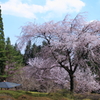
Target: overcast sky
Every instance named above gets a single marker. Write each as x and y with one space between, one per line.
16 13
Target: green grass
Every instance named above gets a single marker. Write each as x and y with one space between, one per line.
27 95
16 94
12 93
60 95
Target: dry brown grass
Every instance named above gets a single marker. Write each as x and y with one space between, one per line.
26 97
6 98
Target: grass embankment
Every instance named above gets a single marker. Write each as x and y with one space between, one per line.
61 95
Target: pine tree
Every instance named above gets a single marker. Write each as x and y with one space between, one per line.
2 47
34 50
9 56
14 58
44 43
27 53
31 51
18 57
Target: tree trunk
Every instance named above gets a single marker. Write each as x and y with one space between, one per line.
71 82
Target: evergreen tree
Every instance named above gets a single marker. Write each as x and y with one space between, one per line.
34 50
27 53
14 58
44 43
2 47
31 51
18 56
9 57
9 51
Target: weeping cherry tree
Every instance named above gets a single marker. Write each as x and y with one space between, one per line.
74 43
